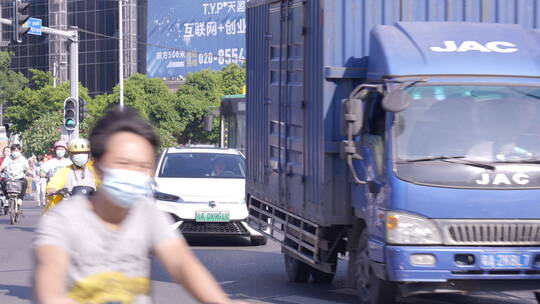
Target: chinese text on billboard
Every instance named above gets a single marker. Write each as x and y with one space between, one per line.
190 35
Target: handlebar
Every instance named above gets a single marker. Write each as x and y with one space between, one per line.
62 192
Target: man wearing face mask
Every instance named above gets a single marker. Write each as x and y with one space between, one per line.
15 167
58 162
83 245
80 173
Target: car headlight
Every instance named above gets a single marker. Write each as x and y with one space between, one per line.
165 197
408 229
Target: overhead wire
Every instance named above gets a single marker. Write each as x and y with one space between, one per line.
158 45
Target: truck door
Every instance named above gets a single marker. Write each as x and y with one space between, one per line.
286 102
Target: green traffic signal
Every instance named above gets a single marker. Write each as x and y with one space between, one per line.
70 114
70 123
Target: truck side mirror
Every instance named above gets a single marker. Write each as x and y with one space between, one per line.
396 101
352 116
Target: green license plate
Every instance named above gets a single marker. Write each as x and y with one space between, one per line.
212 216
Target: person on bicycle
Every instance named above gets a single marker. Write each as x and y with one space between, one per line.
15 167
99 249
80 173
58 162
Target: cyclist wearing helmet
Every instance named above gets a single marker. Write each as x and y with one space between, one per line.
58 162
80 173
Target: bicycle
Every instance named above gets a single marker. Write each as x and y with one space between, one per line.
14 189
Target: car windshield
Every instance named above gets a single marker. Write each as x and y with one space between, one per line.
202 165
481 123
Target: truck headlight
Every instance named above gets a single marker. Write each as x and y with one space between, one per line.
408 229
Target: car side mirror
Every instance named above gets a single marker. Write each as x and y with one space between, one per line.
396 101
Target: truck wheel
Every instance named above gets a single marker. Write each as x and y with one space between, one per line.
258 241
297 270
371 289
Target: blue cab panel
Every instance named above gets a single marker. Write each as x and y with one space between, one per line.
453 48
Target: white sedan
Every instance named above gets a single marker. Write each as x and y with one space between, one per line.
203 190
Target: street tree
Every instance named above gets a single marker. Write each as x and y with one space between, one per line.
11 82
40 136
29 105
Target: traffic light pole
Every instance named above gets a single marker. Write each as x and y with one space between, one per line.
73 39
74 77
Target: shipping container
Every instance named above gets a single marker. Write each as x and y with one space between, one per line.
304 57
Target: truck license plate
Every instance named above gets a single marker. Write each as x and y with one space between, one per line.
505 260
212 216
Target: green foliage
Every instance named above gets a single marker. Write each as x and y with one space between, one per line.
41 135
40 79
233 79
166 140
29 105
36 111
10 82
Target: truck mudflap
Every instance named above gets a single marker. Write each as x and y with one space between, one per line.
300 238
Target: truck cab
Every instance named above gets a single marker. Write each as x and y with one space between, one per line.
444 152
400 139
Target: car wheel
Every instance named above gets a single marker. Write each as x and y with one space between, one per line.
258 241
370 288
297 271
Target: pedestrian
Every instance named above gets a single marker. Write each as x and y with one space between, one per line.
6 151
41 181
97 249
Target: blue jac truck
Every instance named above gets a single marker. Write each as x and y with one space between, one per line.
402 137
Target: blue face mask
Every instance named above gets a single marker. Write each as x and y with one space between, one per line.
124 187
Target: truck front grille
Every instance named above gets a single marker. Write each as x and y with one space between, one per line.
491 232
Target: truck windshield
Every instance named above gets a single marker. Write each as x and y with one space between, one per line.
477 123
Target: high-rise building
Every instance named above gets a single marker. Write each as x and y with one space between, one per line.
97 21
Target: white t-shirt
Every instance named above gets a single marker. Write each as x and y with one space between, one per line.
16 168
106 265
52 166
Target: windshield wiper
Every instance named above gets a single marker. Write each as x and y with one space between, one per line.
521 161
452 159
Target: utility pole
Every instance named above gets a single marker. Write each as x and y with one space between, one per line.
121 52
55 72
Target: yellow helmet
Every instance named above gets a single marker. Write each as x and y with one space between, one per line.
79 145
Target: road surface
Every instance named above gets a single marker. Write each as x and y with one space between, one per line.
254 274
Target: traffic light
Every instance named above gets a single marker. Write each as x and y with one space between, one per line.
19 19
71 115
82 109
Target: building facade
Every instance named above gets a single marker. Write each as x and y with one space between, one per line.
97 21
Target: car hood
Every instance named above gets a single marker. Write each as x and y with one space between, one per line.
204 189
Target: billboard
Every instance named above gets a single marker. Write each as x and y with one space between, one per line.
190 35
